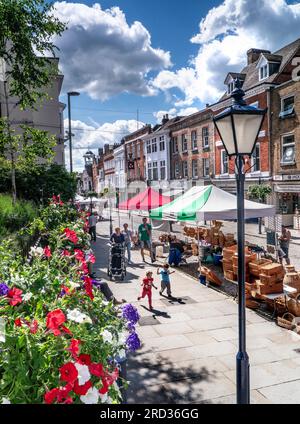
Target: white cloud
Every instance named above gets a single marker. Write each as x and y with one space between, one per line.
102 55
88 137
225 35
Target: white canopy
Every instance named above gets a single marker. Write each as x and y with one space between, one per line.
205 203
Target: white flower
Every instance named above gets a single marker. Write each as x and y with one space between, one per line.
77 316
122 354
36 251
5 401
27 296
103 398
117 388
122 337
91 397
83 373
74 285
107 336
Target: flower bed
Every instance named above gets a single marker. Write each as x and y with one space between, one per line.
63 341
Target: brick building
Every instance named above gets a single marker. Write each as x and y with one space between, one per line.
134 154
265 79
285 136
191 153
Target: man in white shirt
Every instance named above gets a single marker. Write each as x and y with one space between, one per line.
92 226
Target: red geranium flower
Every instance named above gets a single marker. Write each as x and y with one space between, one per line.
47 252
66 252
51 396
96 369
18 322
82 390
68 372
88 287
15 296
108 380
79 255
71 235
54 322
84 359
74 347
84 268
63 392
91 258
34 326
68 400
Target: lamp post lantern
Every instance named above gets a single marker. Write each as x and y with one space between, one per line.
238 127
70 94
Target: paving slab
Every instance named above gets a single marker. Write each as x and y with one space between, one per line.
285 393
188 355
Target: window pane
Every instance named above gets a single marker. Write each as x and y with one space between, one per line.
288 104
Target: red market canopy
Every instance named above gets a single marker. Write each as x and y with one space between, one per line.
145 201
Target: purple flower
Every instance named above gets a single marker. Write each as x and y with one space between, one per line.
133 342
130 326
62 293
4 289
130 313
96 283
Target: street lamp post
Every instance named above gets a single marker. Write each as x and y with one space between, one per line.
238 127
70 93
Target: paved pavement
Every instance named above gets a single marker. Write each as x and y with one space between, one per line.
189 346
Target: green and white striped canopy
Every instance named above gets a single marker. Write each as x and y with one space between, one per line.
204 203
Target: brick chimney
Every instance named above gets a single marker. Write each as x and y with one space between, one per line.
165 119
253 55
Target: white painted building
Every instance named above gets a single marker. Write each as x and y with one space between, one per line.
157 153
120 170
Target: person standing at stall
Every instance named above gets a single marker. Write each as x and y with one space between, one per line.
284 243
128 240
144 234
92 226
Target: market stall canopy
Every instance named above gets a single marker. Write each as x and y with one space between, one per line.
205 203
89 200
147 200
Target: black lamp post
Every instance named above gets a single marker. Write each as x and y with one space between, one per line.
70 93
89 160
238 127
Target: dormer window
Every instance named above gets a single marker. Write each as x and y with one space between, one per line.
263 72
230 87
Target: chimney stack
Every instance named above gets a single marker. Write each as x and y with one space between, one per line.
165 119
253 55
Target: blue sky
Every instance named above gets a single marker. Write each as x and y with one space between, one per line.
171 30
156 56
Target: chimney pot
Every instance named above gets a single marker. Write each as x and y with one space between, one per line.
253 55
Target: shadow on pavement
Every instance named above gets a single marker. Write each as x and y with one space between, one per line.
158 381
157 312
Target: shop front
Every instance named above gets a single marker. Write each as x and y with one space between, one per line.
287 201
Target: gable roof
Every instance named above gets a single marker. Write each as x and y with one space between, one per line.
283 55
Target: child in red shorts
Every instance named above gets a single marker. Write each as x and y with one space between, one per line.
147 285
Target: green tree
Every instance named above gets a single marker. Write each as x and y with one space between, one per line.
24 151
259 192
28 28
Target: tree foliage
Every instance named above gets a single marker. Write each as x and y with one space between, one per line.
259 192
41 183
27 31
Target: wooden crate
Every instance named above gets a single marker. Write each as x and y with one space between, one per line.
289 268
271 279
229 275
227 264
269 288
255 266
249 257
228 252
271 269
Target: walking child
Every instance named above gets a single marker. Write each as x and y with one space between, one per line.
165 279
147 285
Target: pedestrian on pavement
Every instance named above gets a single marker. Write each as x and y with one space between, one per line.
284 243
147 285
144 234
117 237
128 235
165 279
92 226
